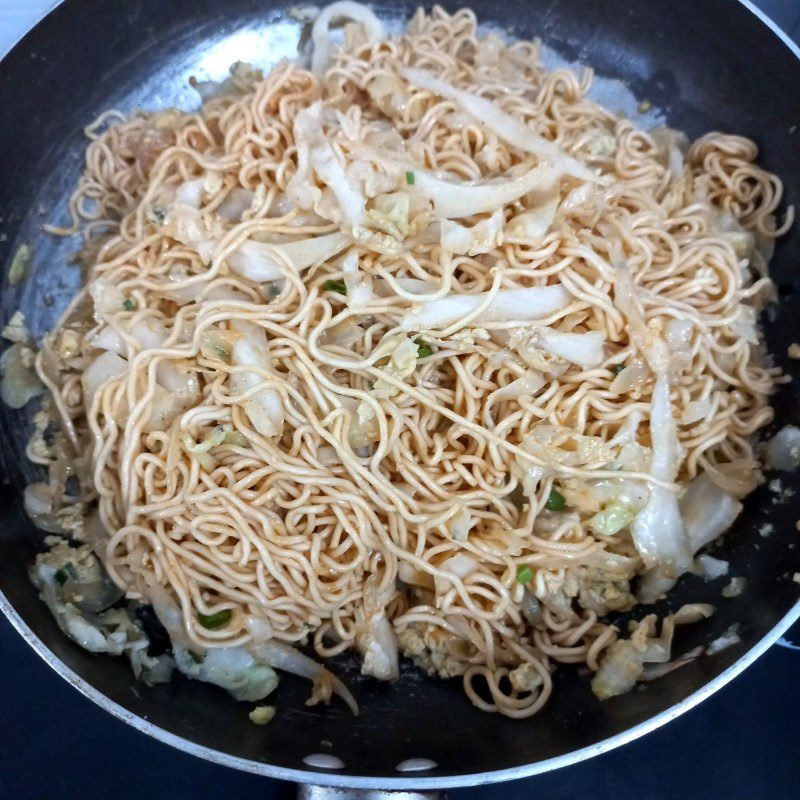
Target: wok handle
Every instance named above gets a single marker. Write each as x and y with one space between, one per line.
310 791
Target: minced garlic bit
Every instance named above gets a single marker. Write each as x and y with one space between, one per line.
796 577
794 350
766 529
262 715
734 588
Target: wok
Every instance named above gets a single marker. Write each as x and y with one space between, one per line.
703 66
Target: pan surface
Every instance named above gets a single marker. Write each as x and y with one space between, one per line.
703 66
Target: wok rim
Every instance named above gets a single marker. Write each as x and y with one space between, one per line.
345 780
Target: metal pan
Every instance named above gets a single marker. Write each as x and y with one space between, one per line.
703 66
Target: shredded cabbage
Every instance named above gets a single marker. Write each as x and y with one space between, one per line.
402 363
711 568
527 385
231 668
482 237
456 200
265 407
533 225
78 592
315 152
584 349
506 305
358 284
460 525
20 382
658 531
459 566
708 511
341 10
624 661
653 347
375 637
782 451
103 369
261 262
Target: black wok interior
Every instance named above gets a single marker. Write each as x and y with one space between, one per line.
708 65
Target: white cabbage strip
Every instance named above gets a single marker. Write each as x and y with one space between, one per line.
583 349
264 408
105 367
459 566
507 128
238 201
343 10
455 200
150 334
261 262
231 668
192 293
534 223
782 451
527 385
20 382
707 511
109 338
375 636
711 568
658 531
623 664
506 305
653 348
358 283
482 237
284 657
190 193
314 151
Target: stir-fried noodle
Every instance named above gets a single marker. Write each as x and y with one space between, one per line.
415 353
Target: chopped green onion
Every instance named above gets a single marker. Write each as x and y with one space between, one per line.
556 501
524 574
66 573
196 657
410 178
334 286
214 622
617 368
423 348
156 214
127 304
